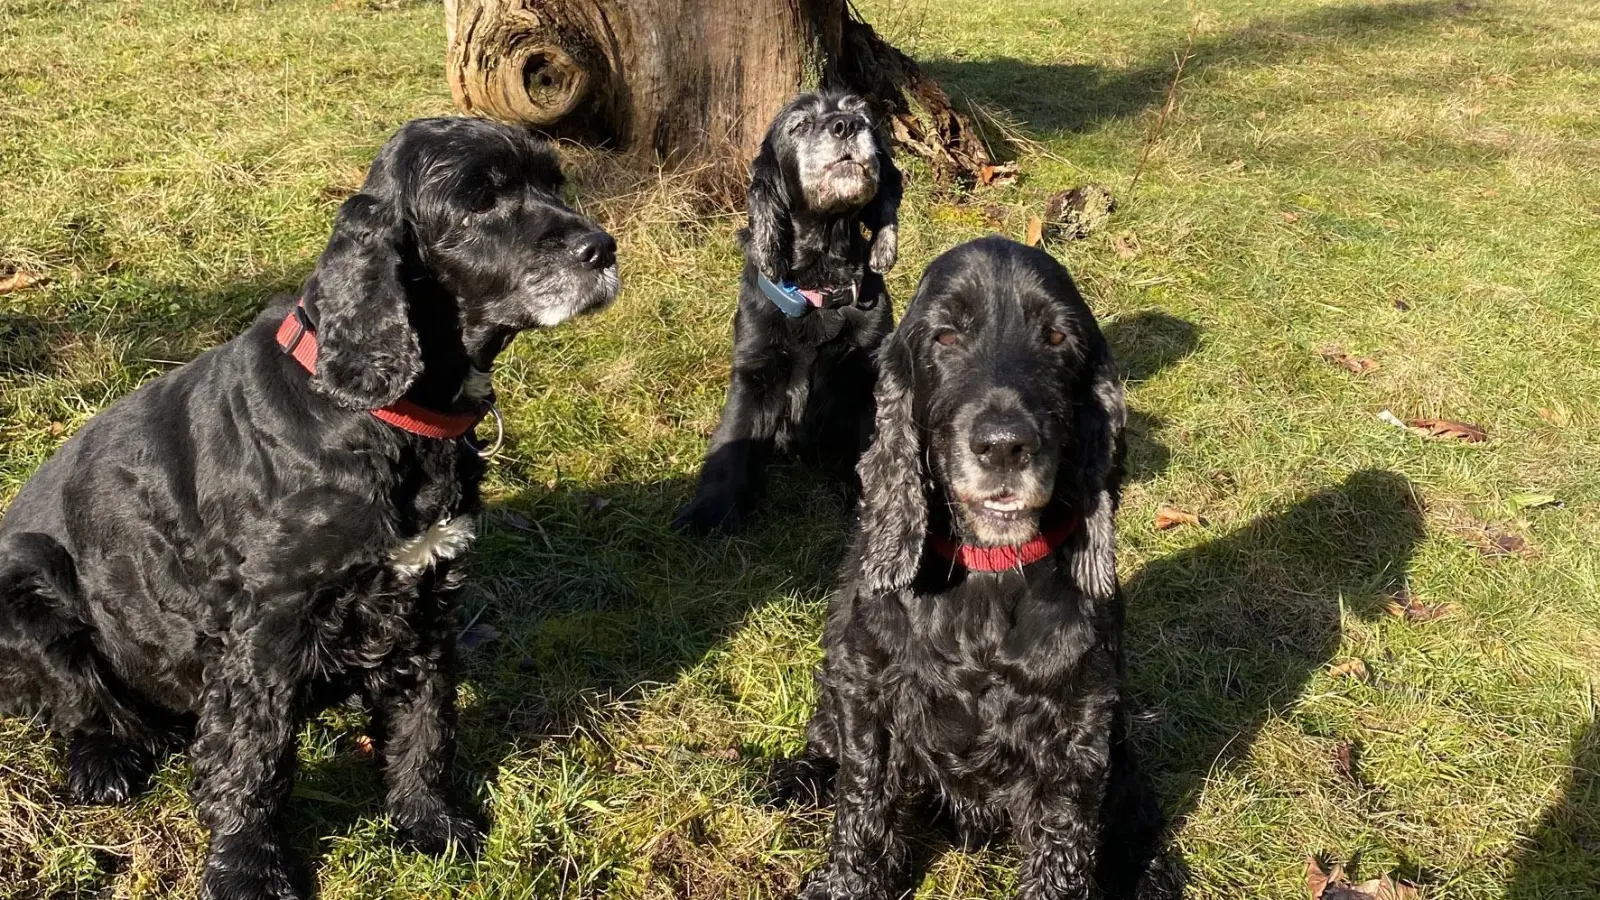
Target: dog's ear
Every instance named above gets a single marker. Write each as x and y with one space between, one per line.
768 237
894 506
1099 418
367 354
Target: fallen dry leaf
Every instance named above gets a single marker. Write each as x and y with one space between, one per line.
1555 417
364 747
1290 217
1078 213
1350 668
1356 365
1035 231
1332 884
1447 430
998 175
1408 607
1495 543
1344 761
20 280
1169 517
1126 244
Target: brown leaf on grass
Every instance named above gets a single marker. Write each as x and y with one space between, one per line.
1555 417
1494 542
1080 212
57 429
1332 884
1169 517
1126 244
1356 365
1350 668
1344 761
1447 430
364 748
1035 231
20 280
1403 605
998 175
1290 217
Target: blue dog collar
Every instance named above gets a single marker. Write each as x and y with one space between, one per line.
786 297
794 301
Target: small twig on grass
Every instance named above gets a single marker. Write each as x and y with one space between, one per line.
1166 110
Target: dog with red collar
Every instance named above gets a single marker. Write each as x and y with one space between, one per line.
812 305
280 523
973 649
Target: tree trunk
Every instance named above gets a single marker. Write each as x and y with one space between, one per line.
690 83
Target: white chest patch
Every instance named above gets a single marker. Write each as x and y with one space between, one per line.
445 539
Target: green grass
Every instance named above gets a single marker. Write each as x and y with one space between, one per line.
168 164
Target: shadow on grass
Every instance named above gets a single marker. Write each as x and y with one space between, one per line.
1225 635
1067 97
1562 859
1144 344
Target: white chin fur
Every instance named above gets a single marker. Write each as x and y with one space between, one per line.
604 291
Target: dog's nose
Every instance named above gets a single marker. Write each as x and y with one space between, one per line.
597 250
843 127
1004 439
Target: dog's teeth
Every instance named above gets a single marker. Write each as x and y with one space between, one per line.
1002 505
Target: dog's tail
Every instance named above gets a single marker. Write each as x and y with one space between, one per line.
49 667
1134 862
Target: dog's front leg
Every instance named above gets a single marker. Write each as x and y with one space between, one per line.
731 478
867 857
1060 838
414 717
244 762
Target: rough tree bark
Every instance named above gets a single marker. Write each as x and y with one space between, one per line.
688 81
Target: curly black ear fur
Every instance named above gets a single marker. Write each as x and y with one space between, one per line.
1096 465
367 354
894 506
769 236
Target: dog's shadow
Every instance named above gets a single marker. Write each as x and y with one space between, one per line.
1224 636
1559 860
1145 343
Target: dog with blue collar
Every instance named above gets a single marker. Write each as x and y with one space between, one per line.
823 225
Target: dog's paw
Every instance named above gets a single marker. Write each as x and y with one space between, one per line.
443 833
805 780
707 516
102 771
885 249
244 869
826 884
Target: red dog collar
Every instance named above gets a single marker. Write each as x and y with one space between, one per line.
1001 559
299 340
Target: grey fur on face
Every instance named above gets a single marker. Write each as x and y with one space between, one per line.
830 142
999 506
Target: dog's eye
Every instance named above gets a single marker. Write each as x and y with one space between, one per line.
1055 336
948 337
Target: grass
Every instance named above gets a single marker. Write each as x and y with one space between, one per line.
168 163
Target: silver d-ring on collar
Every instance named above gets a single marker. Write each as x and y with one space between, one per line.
499 435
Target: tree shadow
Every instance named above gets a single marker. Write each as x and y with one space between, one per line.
1071 97
1559 862
1225 635
1144 344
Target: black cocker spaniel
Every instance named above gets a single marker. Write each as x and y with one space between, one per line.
812 304
973 650
279 524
